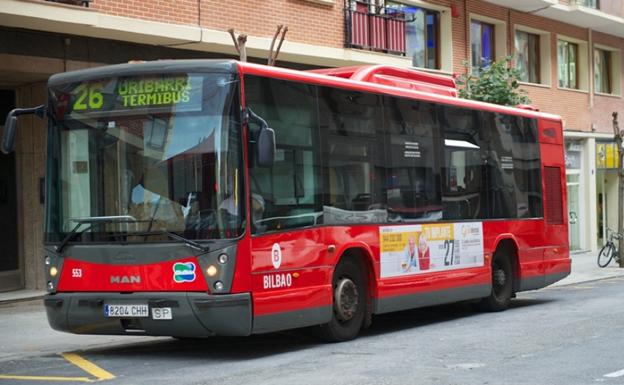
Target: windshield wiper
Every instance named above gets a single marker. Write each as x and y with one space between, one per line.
190 243
94 222
97 221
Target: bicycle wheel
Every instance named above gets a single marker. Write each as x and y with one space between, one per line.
606 254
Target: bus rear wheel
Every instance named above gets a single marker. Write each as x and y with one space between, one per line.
349 302
502 284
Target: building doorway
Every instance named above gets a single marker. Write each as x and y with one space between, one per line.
11 268
574 181
607 165
606 203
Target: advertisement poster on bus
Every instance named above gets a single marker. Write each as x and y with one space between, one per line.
417 249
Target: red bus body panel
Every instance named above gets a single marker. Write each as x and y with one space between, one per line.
85 276
542 249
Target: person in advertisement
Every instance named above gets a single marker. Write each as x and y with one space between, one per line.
410 256
423 252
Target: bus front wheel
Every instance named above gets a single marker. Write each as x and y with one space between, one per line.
349 302
502 284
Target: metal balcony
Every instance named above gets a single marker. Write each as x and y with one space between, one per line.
84 3
611 7
599 15
375 31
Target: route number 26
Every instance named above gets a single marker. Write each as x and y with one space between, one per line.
89 97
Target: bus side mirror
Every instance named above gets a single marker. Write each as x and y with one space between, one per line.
265 145
10 125
9 134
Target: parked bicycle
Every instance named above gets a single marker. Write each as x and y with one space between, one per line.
609 251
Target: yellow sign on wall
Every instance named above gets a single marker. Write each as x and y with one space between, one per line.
607 156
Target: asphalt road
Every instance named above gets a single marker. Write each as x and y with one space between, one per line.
562 335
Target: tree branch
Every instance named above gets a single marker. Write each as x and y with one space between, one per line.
231 31
279 46
271 59
239 44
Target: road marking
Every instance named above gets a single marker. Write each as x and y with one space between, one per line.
73 358
619 373
581 287
45 378
467 365
88 366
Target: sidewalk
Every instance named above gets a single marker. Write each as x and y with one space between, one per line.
584 268
20 295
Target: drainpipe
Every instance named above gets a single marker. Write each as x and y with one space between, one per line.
590 59
467 36
510 38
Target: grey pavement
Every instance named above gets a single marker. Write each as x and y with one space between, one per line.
584 269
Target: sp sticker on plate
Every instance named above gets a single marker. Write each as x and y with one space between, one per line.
184 272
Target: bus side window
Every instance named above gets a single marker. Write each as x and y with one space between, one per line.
464 194
514 167
413 178
353 156
290 189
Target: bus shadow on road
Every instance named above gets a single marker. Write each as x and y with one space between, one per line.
223 349
212 348
414 318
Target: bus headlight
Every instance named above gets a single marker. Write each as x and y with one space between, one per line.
223 259
212 271
218 285
50 286
53 271
46 260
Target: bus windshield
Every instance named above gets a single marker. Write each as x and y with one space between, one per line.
161 152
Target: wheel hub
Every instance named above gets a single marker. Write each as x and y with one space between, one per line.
499 278
346 299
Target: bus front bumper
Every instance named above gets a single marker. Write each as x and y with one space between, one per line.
192 314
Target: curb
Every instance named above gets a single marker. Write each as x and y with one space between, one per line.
21 299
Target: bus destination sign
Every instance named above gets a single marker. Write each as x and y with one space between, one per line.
119 95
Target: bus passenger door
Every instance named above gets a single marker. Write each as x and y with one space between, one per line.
289 279
290 284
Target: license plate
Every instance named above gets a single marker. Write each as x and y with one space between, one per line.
162 313
126 311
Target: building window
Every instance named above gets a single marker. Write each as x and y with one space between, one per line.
595 4
481 44
602 71
422 33
567 59
528 56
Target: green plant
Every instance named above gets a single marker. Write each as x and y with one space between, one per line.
498 83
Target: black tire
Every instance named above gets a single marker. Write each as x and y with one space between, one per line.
502 284
606 255
349 283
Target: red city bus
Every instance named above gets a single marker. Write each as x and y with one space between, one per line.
199 198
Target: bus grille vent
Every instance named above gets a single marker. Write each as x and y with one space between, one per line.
554 204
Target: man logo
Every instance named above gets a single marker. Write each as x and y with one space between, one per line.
125 279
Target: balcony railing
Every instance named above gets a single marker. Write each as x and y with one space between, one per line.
375 31
84 3
612 7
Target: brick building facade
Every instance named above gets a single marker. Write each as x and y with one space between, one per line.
579 40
